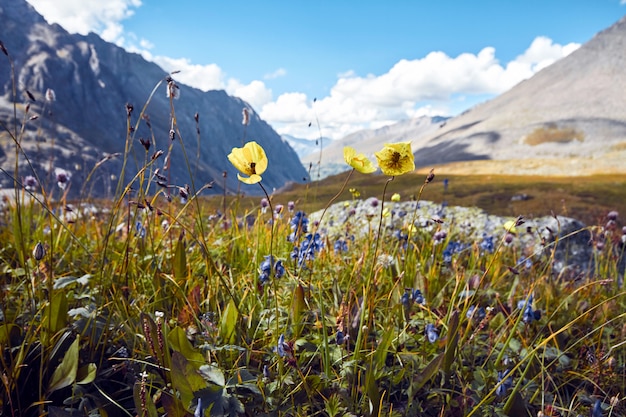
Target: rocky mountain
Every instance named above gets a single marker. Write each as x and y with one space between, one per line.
368 141
305 147
75 93
575 109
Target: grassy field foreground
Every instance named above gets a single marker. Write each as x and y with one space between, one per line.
169 308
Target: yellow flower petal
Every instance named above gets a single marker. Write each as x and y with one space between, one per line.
358 161
396 158
252 179
509 226
250 160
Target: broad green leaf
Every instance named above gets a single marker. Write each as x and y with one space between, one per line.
180 259
178 341
229 322
173 405
213 374
428 372
186 378
86 374
65 374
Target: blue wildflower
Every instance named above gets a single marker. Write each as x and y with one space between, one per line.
418 297
487 243
596 411
266 269
310 245
299 225
431 333
140 231
505 381
340 338
411 296
406 299
282 347
452 248
528 313
341 245
477 314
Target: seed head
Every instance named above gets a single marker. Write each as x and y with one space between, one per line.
39 251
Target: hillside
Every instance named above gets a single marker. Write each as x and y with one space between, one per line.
575 108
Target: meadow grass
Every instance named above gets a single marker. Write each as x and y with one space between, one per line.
161 302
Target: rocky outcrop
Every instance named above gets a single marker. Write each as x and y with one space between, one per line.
564 243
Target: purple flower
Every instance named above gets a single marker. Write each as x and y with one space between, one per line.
291 206
30 183
62 177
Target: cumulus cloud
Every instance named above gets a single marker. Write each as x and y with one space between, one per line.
426 86
84 16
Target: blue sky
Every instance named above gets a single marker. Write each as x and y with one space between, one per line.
368 63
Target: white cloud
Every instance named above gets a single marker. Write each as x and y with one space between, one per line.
280 72
255 93
411 88
204 77
84 16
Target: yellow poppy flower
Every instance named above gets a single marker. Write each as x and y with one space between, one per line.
250 160
509 226
358 161
395 198
396 158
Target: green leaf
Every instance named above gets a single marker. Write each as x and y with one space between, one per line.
65 374
380 356
63 282
10 334
180 259
213 374
229 321
298 306
55 314
86 374
186 378
177 339
428 372
453 341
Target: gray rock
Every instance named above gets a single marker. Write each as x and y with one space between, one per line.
563 241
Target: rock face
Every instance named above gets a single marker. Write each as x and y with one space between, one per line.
92 83
573 108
